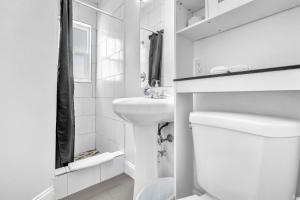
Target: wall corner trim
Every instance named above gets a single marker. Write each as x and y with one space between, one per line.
47 194
129 169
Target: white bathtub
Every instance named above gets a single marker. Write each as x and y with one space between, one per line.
86 174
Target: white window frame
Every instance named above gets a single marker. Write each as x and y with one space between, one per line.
87 28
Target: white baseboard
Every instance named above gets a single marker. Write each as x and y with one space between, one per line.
129 169
197 192
47 194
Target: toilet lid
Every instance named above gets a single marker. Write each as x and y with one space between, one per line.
196 197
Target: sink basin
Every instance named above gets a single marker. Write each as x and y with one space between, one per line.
141 110
145 114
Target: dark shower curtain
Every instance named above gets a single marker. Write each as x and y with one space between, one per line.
155 57
65 120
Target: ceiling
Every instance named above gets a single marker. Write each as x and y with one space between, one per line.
145 3
92 1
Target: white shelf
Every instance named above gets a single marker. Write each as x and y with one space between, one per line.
285 80
193 5
256 9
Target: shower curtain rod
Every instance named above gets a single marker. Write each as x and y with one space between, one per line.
98 10
147 29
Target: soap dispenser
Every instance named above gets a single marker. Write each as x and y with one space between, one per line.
156 90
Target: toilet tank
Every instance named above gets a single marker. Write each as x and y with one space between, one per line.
246 157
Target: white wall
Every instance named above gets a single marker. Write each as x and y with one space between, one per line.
84 94
110 78
168 73
28 74
132 49
270 42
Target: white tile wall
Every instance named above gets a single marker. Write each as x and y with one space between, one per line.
84 142
83 89
119 86
61 186
82 179
112 168
72 182
110 77
117 7
88 16
94 40
105 87
104 108
84 106
120 134
94 52
85 124
84 101
130 145
109 135
75 11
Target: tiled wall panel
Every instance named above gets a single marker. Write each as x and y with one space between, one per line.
110 77
84 94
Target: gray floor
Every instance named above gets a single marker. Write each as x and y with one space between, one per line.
118 188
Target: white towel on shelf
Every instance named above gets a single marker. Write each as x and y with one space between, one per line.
91 161
219 70
239 68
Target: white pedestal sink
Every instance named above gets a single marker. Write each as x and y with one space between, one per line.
145 114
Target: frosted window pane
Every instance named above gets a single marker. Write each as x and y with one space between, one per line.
81 73
81 52
80 40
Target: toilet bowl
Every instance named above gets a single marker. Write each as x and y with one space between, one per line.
162 189
240 156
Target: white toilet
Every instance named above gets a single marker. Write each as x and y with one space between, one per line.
245 157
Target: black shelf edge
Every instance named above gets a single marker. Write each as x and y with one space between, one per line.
290 67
